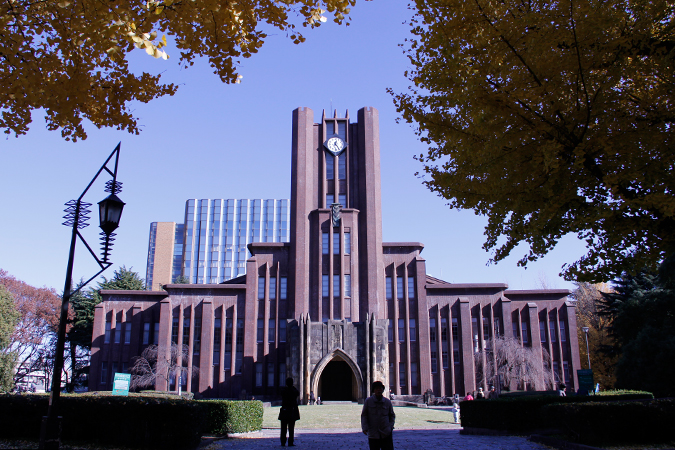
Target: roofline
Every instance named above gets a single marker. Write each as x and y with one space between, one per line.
467 286
537 292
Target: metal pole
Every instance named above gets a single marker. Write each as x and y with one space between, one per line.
588 353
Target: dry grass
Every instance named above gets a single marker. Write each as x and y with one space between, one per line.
349 416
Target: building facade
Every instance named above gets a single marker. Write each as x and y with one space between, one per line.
210 246
336 308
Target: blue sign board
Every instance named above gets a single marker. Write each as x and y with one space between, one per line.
121 384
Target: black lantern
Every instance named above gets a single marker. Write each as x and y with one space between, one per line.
110 212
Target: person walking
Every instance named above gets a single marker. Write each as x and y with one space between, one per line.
289 412
377 419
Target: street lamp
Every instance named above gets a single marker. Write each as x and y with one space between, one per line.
77 215
588 353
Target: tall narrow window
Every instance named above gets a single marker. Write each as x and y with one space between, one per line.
401 330
104 372
444 329
413 374
336 243
282 374
155 333
197 340
325 287
432 330
271 331
239 356
401 372
324 243
413 329
330 199
566 372
228 344
390 330
411 287
399 288
270 374
342 199
455 330
113 371
127 333
283 288
217 326
330 167
106 337
273 288
186 330
563 332
174 329
261 288
282 331
552 330
146 333
342 166
261 330
486 329
542 332
348 285
348 243
434 361
525 341
336 286
258 374
514 326
388 288
116 332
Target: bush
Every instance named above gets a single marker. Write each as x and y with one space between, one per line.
523 414
606 423
136 422
229 416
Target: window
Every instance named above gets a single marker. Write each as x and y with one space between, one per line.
413 374
515 330
155 334
270 374
116 333
348 243
563 332
556 372
498 328
342 200
272 330
261 330
127 333
390 330
324 243
104 372
566 370
113 371
413 330
401 372
216 341
336 243
444 354
239 356
330 199
434 362
342 166
432 330
282 331
258 374
525 341
325 288
444 329
228 344
174 329
146 333
106 337
392 377
261 288
348 285
411 287
197 340
273 288
455 355
551 325
283 287
282 374
542 332
401 330
330 167
336 286
399 288
455 330
388 288
186 330
486 328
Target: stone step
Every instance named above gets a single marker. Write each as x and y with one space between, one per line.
337 402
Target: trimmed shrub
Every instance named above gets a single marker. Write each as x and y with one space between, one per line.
523 414
231 416
136 422
606 423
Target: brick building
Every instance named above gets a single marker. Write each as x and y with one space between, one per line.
335 308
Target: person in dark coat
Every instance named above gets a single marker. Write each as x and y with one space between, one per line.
377 419
289 412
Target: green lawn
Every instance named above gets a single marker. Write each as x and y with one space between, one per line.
349 416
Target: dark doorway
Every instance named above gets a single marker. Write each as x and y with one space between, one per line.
336 382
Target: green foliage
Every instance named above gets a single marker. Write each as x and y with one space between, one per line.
615 423
134 422
7 364
181 279
550 118
524 414
228 416
641 311
9 317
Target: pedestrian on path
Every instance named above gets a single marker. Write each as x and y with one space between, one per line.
377 419
289 412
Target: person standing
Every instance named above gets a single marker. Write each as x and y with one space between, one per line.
377 419
492 395
289 412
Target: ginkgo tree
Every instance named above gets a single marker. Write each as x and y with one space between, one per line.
71 57
549 118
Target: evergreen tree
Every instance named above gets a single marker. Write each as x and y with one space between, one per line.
9 317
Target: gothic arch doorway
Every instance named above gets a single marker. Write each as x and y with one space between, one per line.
337 377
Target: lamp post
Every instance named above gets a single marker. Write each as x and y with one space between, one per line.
110 211
588 353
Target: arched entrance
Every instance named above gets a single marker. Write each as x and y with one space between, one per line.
336 381
337 377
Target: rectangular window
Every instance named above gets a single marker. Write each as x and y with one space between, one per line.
282 331
542 332
455 355
401 372
556 372
273 288
342 166
411 287
348 285
197 340
330 199
525 341
399 288
514 325
455 330
127 333
434 362
113 371
174 329
325 287
348 243
486 328
390 330
261 288
271 331
261 330
186 330
116 333
432 330
336 243
282 374
146 333
324 243
392 377
104 372
228 344
336 286
444 354
413 374
563 332
498 327
155 334
444 329
270 374
330 167
551 324
566 370
258 374
388 288
342 199
106 337
413 330
401 330
239 355
283 288
216 341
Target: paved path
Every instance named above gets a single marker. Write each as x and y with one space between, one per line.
403 440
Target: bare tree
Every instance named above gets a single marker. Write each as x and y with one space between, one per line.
155 363
514 363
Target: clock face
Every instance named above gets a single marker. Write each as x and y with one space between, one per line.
335 145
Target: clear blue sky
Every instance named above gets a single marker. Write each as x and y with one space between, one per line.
213 140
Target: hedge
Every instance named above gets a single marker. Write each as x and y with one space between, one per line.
135 422
606 423
227 416
523 414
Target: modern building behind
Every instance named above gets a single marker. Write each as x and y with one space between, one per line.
211 245
336 308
